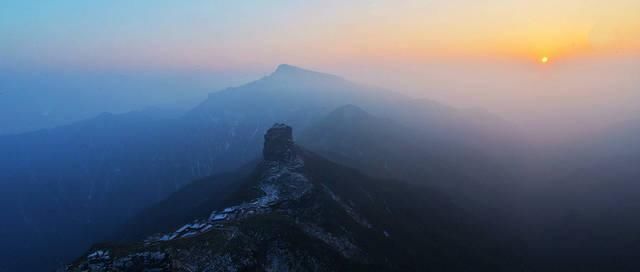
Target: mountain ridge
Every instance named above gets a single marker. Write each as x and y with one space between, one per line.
220 134
300 212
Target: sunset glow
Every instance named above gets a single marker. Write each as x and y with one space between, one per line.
214 34
319 135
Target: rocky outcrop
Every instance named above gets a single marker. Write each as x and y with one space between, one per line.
278 144
282 180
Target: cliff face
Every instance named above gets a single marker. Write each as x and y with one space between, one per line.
278 144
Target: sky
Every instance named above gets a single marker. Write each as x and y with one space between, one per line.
463 52
241 34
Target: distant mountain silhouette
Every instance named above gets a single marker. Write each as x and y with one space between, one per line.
475 181
386 148
35 99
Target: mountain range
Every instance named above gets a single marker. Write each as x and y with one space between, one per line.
85 180
374 181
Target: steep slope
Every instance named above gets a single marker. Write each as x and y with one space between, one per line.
482 184
381 147
386 148
72 185
193 201
300 212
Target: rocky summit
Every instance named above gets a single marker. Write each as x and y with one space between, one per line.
278 143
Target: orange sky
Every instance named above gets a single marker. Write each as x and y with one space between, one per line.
225 35
518 29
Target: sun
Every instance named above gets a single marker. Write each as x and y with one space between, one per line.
544 59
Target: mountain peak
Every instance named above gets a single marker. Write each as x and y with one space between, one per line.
278 143
286 71
348 113
286 68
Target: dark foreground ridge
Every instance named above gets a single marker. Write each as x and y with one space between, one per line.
299 212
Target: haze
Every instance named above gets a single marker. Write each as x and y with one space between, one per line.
456 135
463 53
